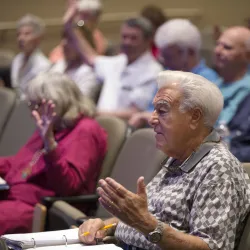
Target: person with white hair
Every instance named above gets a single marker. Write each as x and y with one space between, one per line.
193 201
128 78
68 146
88 16
179 43
30 61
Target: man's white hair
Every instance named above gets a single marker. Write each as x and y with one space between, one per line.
197 92
35 22
94 6
180 32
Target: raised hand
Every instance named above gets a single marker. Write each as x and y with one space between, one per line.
70 3
129 207
70 13
45 116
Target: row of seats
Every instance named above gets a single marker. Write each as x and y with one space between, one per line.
16 123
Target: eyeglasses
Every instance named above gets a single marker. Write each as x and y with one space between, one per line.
34 105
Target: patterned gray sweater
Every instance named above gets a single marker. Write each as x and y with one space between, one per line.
211 201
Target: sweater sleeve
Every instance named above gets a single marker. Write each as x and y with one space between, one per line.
74 168
5 165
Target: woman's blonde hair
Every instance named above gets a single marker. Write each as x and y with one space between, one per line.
70 102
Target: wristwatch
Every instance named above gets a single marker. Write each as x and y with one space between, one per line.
156 235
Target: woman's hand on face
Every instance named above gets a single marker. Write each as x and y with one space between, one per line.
45 118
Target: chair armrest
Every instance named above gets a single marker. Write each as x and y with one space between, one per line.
80 199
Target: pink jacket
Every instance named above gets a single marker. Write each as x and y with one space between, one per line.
71 169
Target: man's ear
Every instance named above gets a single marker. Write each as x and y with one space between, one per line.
195 118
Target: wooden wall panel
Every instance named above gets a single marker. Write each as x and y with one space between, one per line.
201 12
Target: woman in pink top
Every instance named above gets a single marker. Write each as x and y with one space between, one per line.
63 157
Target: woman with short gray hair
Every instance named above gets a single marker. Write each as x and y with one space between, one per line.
62 158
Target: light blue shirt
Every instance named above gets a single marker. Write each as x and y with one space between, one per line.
201 69
233 93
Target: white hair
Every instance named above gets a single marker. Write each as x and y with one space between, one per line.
69 101
180 32
95 6
197 92
35 22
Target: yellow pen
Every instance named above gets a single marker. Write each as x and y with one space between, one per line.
104 228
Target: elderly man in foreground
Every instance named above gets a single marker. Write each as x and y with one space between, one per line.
201 196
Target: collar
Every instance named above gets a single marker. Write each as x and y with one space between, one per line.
196 69
244 81
33 54
141 60
209 142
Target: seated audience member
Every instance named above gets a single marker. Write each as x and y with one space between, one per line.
193 201
62 158
89 12
239 128
232 54
128 78
81 73
30 61
157 17
179 43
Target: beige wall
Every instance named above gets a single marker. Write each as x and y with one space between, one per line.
202 12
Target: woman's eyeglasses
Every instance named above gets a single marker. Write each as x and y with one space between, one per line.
34 105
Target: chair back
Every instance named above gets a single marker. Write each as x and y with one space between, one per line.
7 103
19 128
117 131
245 237
138 157
39 218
